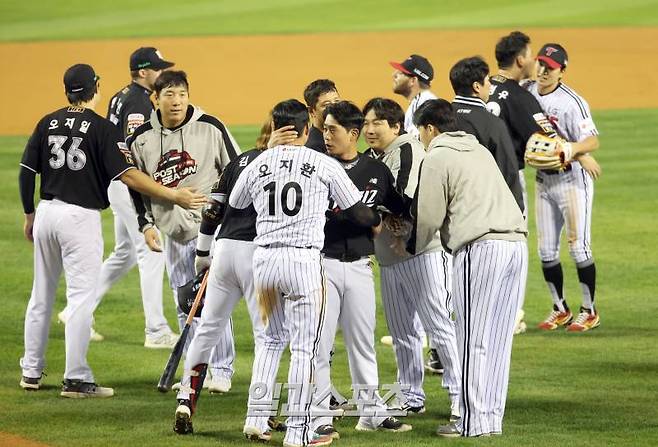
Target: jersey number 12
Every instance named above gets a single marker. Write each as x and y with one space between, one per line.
271 190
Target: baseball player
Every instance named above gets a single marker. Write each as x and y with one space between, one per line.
290 187
318 95
470 81
77 153
463 203
516 107
564 198
350 283
411 285
128 109
230 277
180 145
412 79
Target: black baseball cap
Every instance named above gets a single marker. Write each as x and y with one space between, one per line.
148 57
80 77
416 65
554 55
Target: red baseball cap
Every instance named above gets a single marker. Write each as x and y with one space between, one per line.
554 55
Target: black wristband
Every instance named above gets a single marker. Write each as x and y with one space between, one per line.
202 254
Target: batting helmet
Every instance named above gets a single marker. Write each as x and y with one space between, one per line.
187 293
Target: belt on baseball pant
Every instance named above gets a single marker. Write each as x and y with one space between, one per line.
344 257
567 169
278 245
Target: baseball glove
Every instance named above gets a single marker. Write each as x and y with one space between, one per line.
547 153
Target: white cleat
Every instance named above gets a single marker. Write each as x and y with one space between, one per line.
519 325
387 340
166 340
218 384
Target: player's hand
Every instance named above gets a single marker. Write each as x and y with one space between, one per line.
284 135
201 263
28 226
152 239
188 198
590 165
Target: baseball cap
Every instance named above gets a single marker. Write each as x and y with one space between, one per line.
554 55
416 65
148 57
80 77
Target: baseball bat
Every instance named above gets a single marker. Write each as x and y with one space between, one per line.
167 377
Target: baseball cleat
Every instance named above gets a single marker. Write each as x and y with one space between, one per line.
255 435
77 389
165 340
420 409
556 319
328 430
30 383
433 364
218 385
584 321
389 424
276 424
449 430
183 418
316 441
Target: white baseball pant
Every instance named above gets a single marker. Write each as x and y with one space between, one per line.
179 261
421 285
66 237
351 303
489 280
290 285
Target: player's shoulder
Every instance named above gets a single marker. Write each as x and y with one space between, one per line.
212 121
140 132
247 157
570 96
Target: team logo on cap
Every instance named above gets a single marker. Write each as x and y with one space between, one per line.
173 167
550 50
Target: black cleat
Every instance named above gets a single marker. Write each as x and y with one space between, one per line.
328 430
30 383
433 364
276 425
183 418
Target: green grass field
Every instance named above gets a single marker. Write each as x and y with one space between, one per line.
598 388
79 19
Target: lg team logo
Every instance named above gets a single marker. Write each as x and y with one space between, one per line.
550 50
173 167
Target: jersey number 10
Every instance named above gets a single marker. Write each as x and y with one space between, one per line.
74 158
271 189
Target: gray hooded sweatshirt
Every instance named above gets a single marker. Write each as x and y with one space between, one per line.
462 197
193 154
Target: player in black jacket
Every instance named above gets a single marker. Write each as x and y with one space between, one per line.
350 283
470 81
318 95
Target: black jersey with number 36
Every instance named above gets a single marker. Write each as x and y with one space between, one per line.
77 152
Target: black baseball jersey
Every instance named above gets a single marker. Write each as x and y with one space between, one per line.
315 140
237 224
130 108
491 132
520 111
78 153
345 240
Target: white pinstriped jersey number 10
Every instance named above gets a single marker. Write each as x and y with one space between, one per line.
74 158
271 190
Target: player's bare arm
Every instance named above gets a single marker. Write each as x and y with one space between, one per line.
187 198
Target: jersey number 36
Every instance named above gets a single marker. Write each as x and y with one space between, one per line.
74 158
271 190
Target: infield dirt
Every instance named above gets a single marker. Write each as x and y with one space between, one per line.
239 78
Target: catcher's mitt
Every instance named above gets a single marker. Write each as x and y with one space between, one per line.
543 152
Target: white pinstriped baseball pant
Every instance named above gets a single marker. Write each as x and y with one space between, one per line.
489 280
421 285
179 260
